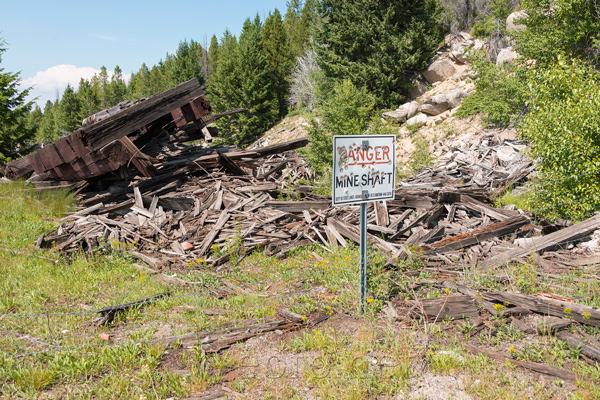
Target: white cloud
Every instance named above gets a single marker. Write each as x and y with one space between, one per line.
51 83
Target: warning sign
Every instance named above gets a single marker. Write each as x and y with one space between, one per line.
364 168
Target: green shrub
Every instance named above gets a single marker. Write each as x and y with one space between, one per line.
564 130
421 157
501 92
347 111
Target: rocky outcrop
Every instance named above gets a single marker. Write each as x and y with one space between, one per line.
506 56
404 112
439 70
512 26
434 109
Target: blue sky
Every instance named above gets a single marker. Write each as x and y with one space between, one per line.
54 43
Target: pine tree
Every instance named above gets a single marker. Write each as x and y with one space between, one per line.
213 56
373 43
67 117
15 130
88 99
278 56
47 131
116 88
299 19
186 63
242 80
223 89
103 85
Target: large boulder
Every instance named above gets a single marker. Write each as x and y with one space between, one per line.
455 96
418 89
434 109
439 70
404 112
506 56
511 25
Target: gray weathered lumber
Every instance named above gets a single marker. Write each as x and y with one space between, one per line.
436 309
556 308
542 243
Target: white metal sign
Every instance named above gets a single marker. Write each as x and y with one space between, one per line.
364 168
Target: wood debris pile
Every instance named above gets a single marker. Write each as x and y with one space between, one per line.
486 164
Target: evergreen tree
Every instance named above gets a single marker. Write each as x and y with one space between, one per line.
103 85
88 100
223 88
67 117
373 43
186 63
242 80
213 56
47 131
15 130
278 56
35 118
116 88
299 19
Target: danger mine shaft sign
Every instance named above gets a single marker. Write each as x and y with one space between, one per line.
364 168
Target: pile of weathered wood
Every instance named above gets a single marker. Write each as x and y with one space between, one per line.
486 163
143 187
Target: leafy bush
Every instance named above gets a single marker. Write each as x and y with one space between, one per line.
564 130
501 92
560 27
421 157
348 111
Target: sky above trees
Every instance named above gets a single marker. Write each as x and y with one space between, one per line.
58 43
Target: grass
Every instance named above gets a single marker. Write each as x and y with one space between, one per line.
351 356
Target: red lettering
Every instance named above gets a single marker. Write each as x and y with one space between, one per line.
386 153
369 154
377 153
351 155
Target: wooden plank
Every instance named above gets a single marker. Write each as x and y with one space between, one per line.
139 115
230 165
353 233
437 309
140 160
208 240
299 206
543 243
539 368
579 344
64 149
476 236
483 208
381 213
544 306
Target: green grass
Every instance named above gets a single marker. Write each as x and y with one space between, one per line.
61 355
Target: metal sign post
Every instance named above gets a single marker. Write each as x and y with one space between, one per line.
364 170
363 256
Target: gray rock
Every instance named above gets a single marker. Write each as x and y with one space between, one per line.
404 112
412 109
460 57
420 87
455 96
419 120
437 99
434 109
439 70
506 56
478 44
511 25
508 154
